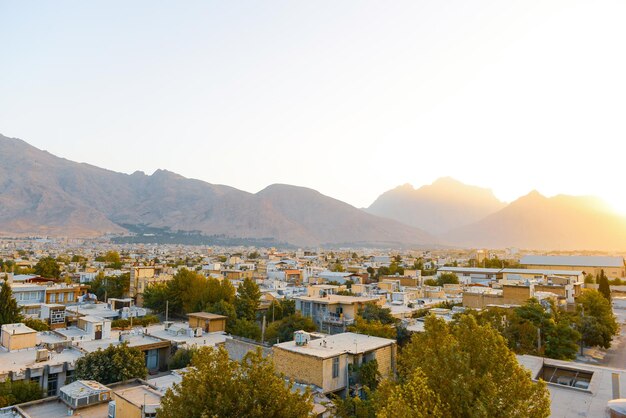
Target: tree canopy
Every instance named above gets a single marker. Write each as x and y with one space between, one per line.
48 267
247 300
115 363
9 310
598 325
473 371
19 391
216 386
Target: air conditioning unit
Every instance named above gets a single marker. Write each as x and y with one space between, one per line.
197 332
43 355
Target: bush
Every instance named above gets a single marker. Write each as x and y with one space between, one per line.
143 322
36 324
181 358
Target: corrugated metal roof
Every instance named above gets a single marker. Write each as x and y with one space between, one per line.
574 261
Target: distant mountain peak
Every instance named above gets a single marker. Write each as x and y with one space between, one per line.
445 204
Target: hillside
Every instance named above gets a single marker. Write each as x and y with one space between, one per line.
557 223
41 194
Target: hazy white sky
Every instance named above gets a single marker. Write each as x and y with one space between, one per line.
349 98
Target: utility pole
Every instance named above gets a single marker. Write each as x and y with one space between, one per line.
263 331
167 307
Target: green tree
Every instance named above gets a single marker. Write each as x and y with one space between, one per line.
247 300
218 387
181 358
115 363
473 371
373 328
155 297
603 286
112 257
447 278
19 391
597 322
283 330
48 267
372 312
246 328
9 310
368 374
110 286
410 398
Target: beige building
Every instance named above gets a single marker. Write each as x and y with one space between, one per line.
509 295
209 322
325 362
334 311
613 267
143 276
137 402
18 336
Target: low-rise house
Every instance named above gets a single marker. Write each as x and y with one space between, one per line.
24 356
208 322
334 311
328 362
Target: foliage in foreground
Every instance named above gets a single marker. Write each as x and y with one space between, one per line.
462 369
216 386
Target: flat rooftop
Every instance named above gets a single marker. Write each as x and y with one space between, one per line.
338 299
574 261
333 345
206 315
17 328
572 402
134 339
93 309
140 395
55 408
210 339
22 359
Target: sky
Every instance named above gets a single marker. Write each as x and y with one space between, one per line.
350 98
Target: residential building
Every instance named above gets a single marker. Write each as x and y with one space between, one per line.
142 277
208 322
334 312
328 362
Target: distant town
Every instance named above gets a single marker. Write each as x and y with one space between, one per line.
340 329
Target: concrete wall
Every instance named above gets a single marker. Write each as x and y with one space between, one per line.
19 341
301 368
237 349
125 409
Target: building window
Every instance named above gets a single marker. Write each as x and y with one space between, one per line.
61 297
52 384
53 297
335 367
70 297
69 377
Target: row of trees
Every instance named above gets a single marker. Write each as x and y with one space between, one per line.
189 291
548 331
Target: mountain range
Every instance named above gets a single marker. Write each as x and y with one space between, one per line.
44 195
41 194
